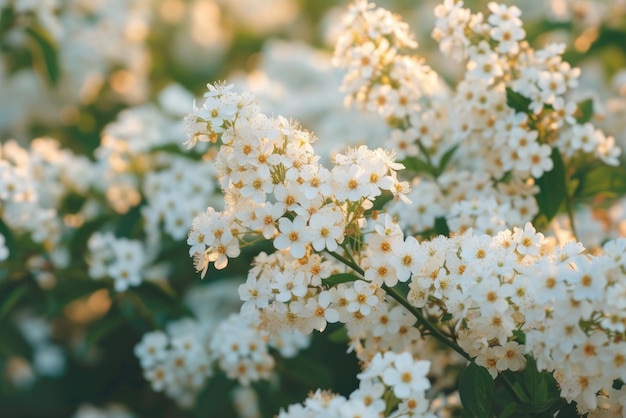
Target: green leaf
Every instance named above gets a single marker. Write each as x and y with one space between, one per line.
13 342
520 336
12 298
605 180
441 226
552 188
446 317
339 278
46 58
445 159
159 300
304 369
516 101
215 399
103 328
339 336
7 18
584 112
509 411
417 165
476 390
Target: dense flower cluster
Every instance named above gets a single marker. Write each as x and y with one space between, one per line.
33 184
274 185
388 375
576 325
179 360
337 260
121 259
507 146
102 45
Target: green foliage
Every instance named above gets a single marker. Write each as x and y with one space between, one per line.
45 55
604 181
552 188
476 391
339 278
584 111
516 101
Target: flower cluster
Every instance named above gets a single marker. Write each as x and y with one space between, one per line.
504 71
34 182
274 185
121 259
97 47
179 360
175 362
514 99
388 375
576 326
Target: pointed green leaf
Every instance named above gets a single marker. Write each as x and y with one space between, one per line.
12 298
476 390
417 165
45 58
339 278
339 335
445 159
509 411
552 188
159 300
516 101
102 328
604 180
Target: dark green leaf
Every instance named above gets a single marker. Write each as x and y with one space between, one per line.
441 226
552 188
13 342
339 335
476 390
516 101
129 223
45 59
520 336
585 111
339 278
509 411
103 328
215 398
446 317
606 180
306 370
159 300
445 159
12 298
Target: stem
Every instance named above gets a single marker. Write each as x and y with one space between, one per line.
347 262
519 398
402 301
436 332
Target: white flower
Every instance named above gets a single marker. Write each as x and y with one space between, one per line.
407 376
293 235
511 356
